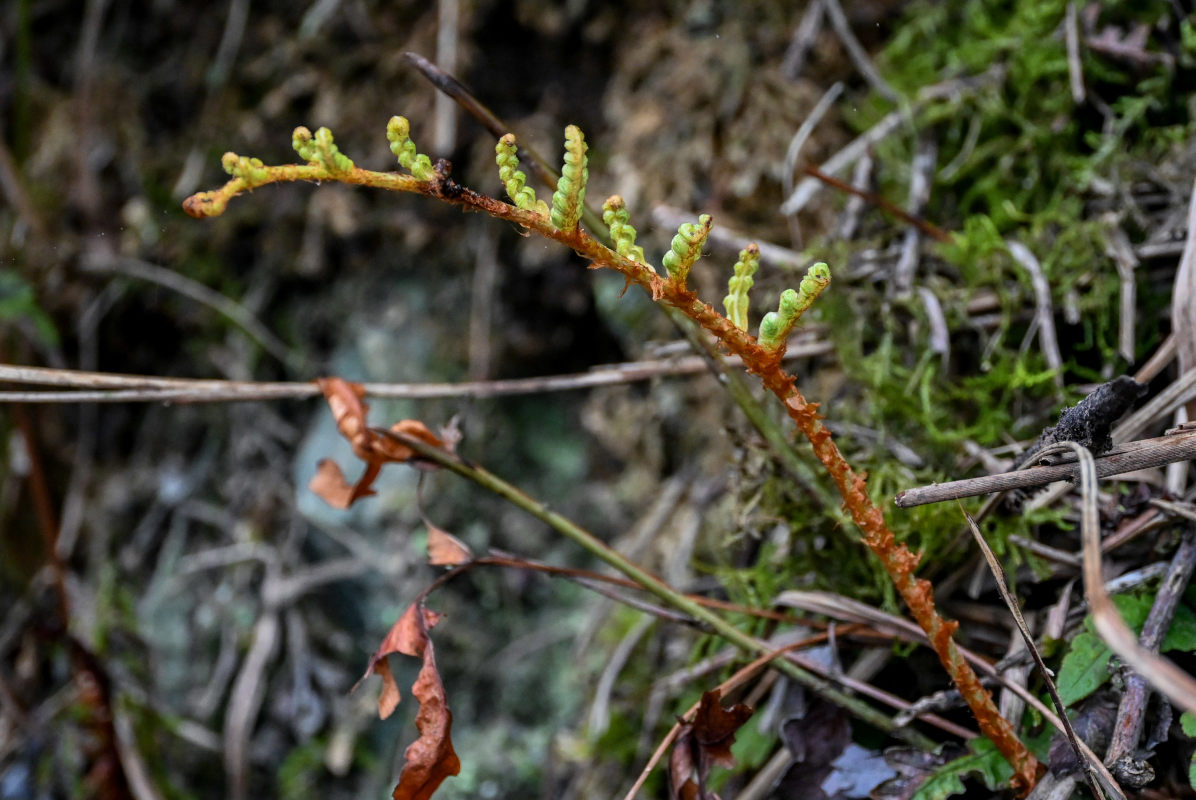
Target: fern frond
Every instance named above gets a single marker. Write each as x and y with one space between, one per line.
398 133
686 248
515 181
736 302
569 198
777 325
616 217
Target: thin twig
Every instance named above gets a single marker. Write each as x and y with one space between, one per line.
1183 301
1118 246
807 127
856 51
1043 311
929 228
1011 603
853 210
1125 458
103 387
920 179
794 60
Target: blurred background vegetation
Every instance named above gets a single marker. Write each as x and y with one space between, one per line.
177 524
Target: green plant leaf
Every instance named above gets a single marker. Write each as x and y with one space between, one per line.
1085 668
1187 721
984 760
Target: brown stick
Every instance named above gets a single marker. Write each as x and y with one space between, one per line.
1126 458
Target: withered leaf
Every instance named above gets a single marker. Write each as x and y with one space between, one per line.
397 451
430 758
406 636
330 485
705 741
714 727
345 401
444 549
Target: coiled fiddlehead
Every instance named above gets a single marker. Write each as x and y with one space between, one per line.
250 170
686 248
398 133
736 302
569 198
320 149
515 181
616 217
777 325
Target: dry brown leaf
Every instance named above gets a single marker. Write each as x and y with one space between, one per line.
406 636
330 485
345 401
431 758
444 549
705 741
390 697
397 451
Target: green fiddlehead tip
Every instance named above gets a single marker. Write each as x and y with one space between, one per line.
569 197
616 217
398 133
736 302
515 181
792 305
770 330
686 248
302 142
250 170
320 149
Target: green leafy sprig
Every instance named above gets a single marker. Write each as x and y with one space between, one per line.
737 301
319 149
569 198
398 133
686 248
515 181
777 325
617 218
